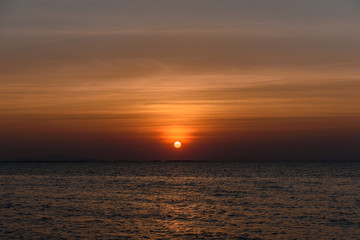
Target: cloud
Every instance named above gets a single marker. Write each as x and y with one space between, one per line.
236 69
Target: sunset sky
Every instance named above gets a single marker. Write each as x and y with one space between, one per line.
230 79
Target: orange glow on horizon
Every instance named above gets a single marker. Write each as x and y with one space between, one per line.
173 134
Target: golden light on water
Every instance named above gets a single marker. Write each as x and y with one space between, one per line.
177 144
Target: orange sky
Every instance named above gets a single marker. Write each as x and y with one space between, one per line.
231 80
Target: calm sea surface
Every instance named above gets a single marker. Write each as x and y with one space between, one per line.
180 200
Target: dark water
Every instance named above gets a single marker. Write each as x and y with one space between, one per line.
180 200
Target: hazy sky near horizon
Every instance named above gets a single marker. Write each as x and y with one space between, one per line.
230 79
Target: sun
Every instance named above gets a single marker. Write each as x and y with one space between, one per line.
177 144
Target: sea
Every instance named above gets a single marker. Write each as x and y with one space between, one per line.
180 200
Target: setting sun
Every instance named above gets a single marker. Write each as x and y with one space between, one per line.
177 144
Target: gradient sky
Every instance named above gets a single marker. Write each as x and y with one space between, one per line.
231 79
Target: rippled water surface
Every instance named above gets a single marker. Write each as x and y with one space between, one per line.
180 200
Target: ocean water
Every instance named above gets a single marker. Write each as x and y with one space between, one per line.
180 200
